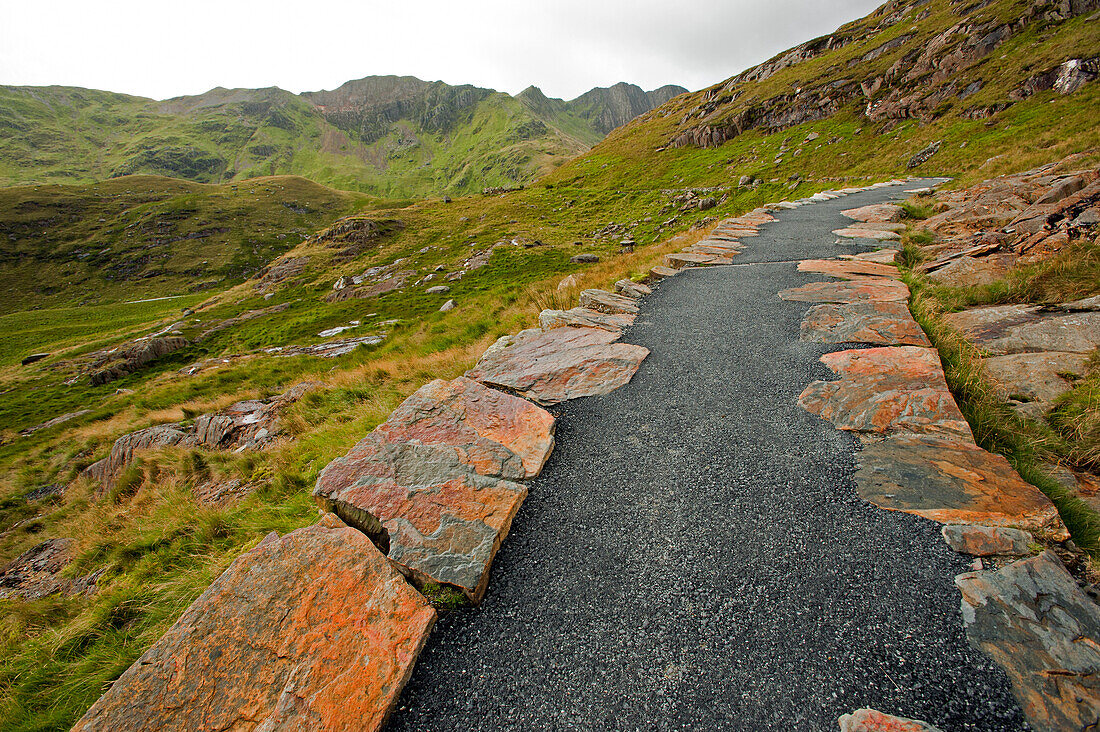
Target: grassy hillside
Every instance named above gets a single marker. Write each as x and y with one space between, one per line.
155 544
142 237
390 136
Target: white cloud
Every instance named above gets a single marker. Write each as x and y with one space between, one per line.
163 49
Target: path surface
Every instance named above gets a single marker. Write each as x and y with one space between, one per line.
694 555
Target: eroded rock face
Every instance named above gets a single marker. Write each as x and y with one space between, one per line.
876 323
886 389
967 271
1032 619
870 720
949 479
559 364
35 573
1005 329
876 213
134 356
584 318
986 541
864 289
311 631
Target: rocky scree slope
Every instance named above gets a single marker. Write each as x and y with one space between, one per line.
396 136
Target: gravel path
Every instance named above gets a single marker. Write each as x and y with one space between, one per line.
694 556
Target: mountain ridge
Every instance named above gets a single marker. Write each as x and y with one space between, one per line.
394 136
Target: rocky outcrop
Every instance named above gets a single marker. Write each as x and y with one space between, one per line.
430 484
37 573
314 630
247 425
1006 329
1032 619
129 358
560 364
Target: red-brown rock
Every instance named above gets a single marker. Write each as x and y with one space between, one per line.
875 213
870 720
679 260
560 364
311 631
884 390
986 541
877 235
877 323
848 269
608 302
877 289
949 479
584 318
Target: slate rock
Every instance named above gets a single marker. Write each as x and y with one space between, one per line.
986 541
966 271
876 213
876 234
494 433
584 318
584 259
608 302
881 256
679 260
311 631
660 272
559 364
1033 620
632 289
424 506
871 720
1003 329
865 289
949 479
885 390
1034 380
876 323
848 269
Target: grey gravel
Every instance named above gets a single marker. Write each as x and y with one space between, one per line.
695 557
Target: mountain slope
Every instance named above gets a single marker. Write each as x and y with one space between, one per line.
393 136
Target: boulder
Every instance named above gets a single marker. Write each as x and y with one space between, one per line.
986 541
33 358
608 302
1005 329
870 720
437 290
448 306
1041 628
866 289
584 259
630 288
314 630
584 318
876 323
886 390
848 269
135 356
568 283
949 479
560 364
876 213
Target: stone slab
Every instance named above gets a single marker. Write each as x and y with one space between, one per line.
584 318
1035 379
848 269
632 289
875 213
882 256
877 235
871 720
865 289
494 433
885 390
608 302
951 480
1034 621
424 506
1003 329
986 541
968 271
311 631
660 272
679 260
560 364
876 323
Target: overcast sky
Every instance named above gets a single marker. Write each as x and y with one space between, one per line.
163 49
